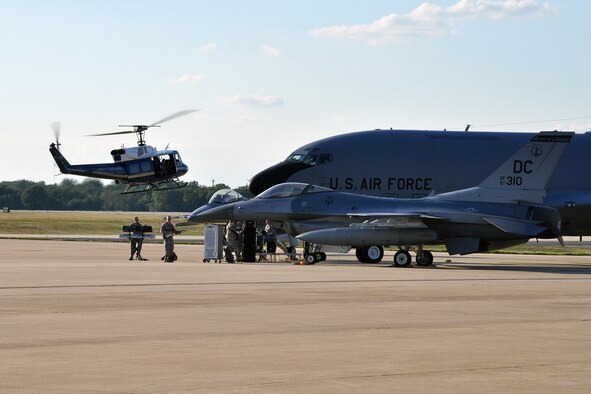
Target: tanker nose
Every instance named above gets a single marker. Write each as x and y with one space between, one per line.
275 175
208 214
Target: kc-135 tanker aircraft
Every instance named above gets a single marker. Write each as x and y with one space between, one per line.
507 208
419 163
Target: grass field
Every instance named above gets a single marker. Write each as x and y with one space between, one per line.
83 223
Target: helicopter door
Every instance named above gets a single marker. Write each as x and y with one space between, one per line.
164 166
157 166
170 166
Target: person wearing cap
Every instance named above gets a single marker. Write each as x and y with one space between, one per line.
168 232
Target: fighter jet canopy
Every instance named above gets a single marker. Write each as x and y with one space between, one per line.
225 196
292 189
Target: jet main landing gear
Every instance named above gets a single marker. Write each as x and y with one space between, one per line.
369 254
402 258
424 258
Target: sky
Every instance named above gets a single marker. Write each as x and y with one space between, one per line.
271 76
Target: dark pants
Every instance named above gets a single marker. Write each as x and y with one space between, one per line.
136 246
169 248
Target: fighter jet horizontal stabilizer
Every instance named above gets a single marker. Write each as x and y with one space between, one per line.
518 227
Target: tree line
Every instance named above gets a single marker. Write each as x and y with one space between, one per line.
93 195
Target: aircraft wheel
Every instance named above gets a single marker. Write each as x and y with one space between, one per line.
369 254
423 258
311 258
320 256
402 258
374 254
360 253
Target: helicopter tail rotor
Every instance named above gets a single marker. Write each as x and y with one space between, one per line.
56 127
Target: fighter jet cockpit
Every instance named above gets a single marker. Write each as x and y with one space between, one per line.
291 189
225 196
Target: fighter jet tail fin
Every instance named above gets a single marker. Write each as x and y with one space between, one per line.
523 177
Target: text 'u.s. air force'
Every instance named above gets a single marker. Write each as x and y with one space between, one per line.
384 184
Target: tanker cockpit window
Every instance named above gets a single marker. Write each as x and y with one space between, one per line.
325 158
312 159
296 157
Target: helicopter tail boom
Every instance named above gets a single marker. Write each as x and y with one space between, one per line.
60 160
102 171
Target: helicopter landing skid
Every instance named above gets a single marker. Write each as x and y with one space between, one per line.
169 184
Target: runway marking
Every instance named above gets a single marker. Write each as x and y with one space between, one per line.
292 282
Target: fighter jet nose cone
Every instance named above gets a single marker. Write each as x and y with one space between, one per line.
208 214
274 175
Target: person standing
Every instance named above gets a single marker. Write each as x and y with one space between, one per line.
136 239
168 232
234 237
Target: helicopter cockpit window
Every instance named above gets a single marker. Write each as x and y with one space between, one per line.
225 196
177 157
282 190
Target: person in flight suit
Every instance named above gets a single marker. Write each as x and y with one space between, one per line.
168 232
136 239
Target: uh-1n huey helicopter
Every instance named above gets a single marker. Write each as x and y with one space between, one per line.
142 167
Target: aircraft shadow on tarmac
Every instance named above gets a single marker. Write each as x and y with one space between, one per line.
570 269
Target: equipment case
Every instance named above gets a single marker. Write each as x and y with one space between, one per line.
213 241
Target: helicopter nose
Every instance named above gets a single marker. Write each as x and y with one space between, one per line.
182 169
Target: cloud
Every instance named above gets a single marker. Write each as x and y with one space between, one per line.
189 78
430 20
255 100
210 47
270 51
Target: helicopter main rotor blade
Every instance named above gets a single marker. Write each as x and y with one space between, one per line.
174 116
114 133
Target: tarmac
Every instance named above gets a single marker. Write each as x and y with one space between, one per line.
78 317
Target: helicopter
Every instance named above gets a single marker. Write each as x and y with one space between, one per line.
143 168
